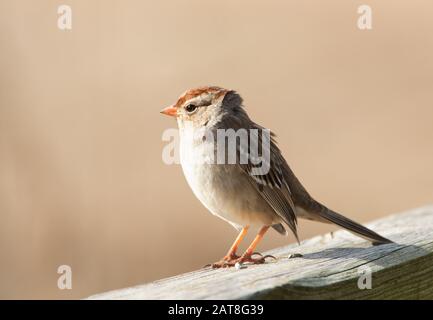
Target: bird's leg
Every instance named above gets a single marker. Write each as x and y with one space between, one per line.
247 256
231 256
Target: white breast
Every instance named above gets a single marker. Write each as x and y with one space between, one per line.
221 188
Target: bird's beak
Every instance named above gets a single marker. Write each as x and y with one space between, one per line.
170 111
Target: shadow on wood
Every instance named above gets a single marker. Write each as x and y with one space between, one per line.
330 268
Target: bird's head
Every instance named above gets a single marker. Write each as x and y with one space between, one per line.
204 106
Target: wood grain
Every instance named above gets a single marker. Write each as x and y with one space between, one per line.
329 269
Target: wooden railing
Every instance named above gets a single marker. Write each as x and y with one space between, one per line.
333 266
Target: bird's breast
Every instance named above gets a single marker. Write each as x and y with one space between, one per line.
223 188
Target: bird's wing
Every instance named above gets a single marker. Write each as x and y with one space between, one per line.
270 184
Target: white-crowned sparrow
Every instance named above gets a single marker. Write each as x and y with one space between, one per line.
232 191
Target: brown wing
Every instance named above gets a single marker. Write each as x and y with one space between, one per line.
270 184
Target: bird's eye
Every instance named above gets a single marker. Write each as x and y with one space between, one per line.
191 108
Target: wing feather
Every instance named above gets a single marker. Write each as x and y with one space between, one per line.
271 185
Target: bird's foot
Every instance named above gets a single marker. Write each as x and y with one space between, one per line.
228 262
248 258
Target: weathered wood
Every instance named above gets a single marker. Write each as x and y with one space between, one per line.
329 269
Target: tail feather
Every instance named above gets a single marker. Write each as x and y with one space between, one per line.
310 209
352 226
314 210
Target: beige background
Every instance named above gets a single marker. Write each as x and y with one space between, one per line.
81 177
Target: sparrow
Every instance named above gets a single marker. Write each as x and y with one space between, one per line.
236 192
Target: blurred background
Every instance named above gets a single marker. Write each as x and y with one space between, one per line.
82 181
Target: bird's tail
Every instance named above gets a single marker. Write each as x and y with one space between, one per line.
330 216
314 210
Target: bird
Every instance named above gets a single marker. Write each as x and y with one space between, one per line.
241 192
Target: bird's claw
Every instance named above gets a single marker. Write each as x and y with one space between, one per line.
222 264
256 254
231 262
269 256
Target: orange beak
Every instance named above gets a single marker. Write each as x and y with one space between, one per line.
170 111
